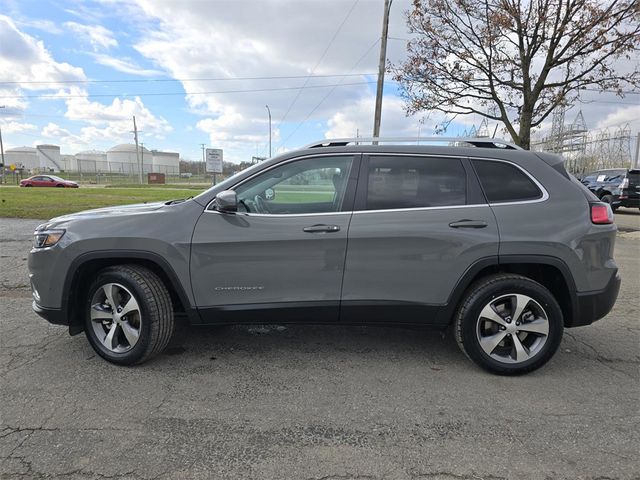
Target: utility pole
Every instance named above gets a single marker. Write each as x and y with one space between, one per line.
1 150
135 136
1 147
381 67
269 110
637 162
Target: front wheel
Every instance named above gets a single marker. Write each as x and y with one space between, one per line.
509 324
129 315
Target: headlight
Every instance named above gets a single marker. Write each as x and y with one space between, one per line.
47 238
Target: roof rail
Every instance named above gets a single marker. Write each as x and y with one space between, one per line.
476 142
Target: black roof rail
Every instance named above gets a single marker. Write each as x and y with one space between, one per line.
451 141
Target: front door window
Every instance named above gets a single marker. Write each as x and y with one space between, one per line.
313 185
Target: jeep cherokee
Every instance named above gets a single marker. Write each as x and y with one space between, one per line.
498 243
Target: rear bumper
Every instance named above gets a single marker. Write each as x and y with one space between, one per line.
51 315
593 306
627 202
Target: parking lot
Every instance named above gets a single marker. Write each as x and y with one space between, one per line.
315 402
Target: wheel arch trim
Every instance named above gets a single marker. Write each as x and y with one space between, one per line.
502 261
75 324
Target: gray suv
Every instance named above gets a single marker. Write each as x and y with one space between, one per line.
496 242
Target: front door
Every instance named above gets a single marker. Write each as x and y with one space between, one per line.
281 256
419 222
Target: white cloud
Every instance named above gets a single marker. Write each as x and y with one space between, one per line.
24 59
98 36
112 122
16 127
43 25
192 39
125 66
620 117
358 117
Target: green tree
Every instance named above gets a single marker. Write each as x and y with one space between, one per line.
515 61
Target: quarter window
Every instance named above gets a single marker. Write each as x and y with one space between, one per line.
313 185
415 182
503 182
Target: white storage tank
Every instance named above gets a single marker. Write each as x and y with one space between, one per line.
69 163
49 158
22 157
122 159
92 161
166 162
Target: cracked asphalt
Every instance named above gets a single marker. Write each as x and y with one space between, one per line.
315 402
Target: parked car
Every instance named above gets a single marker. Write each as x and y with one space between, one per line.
618 187
498 243
47 181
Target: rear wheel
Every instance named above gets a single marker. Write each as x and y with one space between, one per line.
608 199
509 324
129 315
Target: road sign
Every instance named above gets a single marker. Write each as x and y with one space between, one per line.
12 167
214 160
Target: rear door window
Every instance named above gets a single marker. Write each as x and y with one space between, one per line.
415 182
503 182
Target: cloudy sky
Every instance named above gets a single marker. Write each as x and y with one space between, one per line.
196 71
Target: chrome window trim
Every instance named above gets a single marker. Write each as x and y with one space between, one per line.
416 209
283 215
543 198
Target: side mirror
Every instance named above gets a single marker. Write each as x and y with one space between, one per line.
226 201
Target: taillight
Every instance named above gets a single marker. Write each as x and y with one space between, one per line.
601 213
624 184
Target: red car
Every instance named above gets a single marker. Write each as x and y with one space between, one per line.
47 181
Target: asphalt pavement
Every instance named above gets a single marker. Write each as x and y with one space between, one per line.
331 403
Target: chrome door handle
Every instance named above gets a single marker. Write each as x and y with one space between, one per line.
468 224
322 228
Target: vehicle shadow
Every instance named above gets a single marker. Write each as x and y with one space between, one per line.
300 341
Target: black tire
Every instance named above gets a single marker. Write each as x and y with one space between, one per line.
28 185
59 186
156 322
493 288
608 199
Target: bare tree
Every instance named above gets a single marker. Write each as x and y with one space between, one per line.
514 61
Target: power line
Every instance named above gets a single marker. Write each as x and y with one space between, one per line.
160 94
344 20
362 57
159 80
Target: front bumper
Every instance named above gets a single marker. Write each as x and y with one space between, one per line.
51 315
593 306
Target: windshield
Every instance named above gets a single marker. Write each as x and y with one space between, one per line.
57 179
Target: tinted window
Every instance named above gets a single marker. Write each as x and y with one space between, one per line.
413 182
314 185
503 182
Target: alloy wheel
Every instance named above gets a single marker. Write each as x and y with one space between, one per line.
115 317
512 328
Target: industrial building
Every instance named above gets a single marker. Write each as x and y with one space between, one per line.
121 159
41 157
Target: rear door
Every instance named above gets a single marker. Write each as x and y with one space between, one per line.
419 223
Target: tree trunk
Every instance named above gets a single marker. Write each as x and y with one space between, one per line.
524 135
